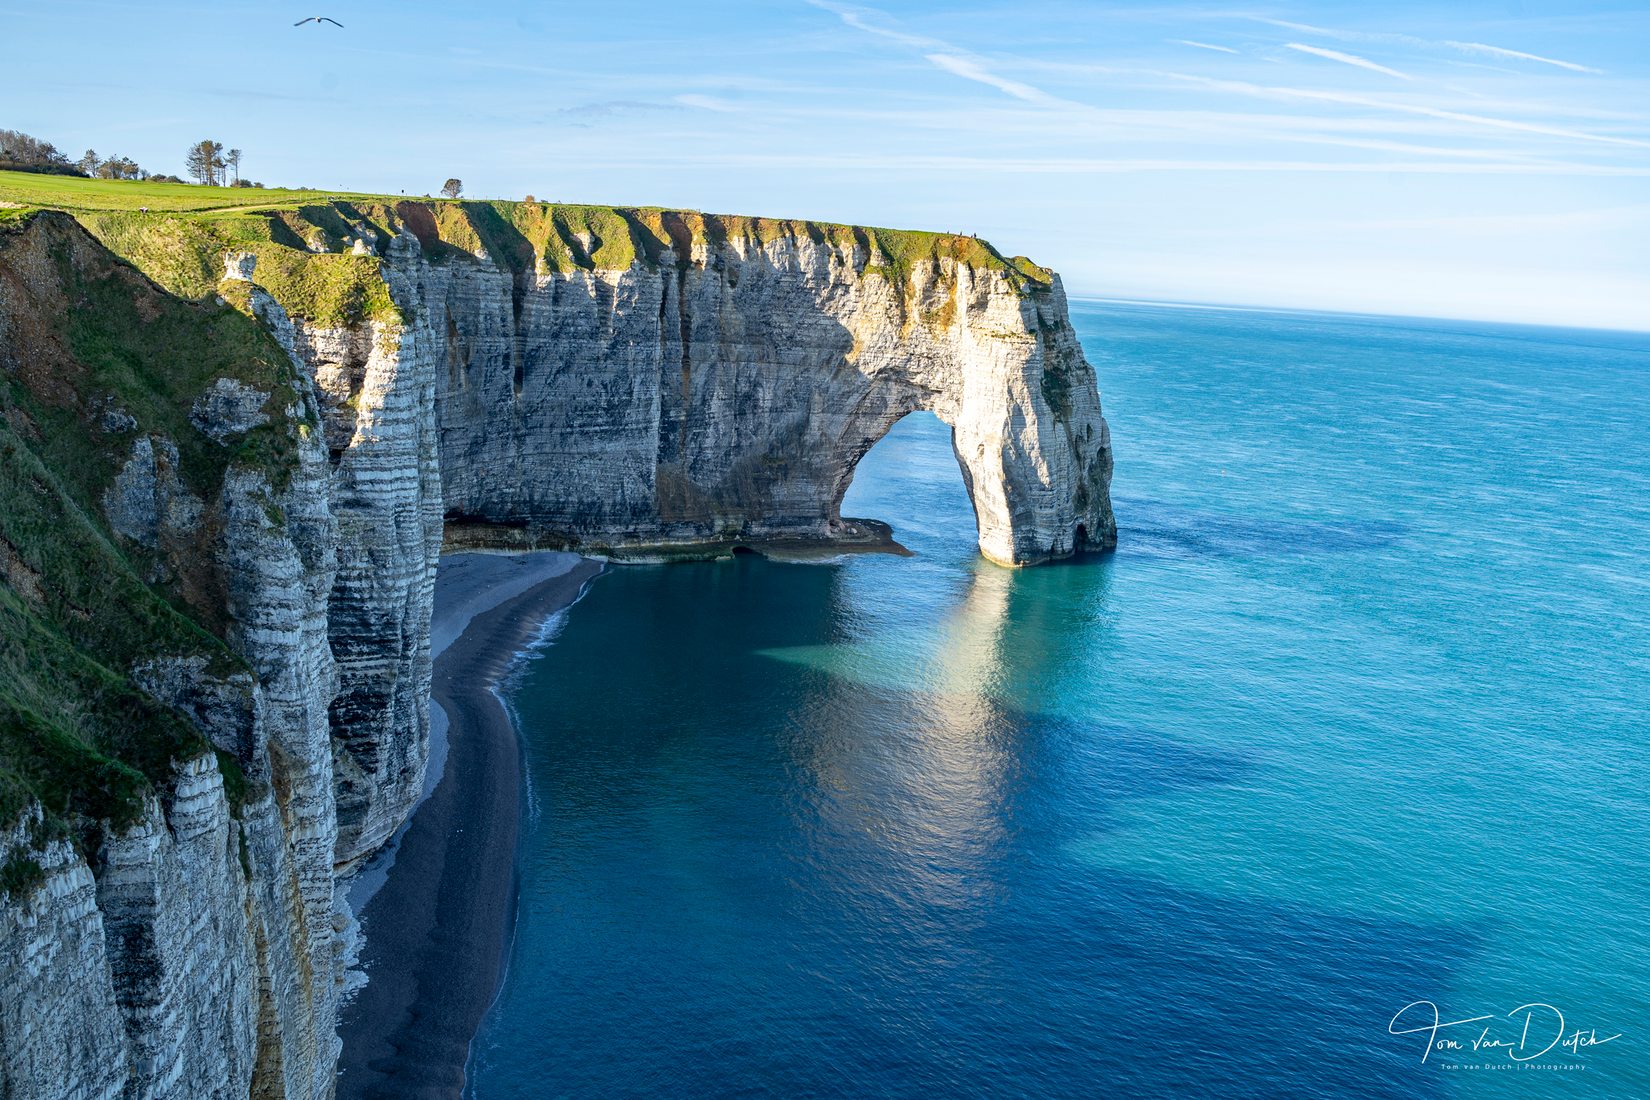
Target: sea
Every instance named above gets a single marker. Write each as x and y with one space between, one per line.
1333 780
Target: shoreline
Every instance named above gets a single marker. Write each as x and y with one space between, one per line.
439 906
853 536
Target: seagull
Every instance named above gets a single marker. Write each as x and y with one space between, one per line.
318 20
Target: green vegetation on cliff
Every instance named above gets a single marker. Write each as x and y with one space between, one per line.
178 234
78 193
184 254
97 355
95 358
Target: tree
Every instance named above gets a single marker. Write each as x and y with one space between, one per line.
22 153
119 168
88 162
204 161
233 159
453 188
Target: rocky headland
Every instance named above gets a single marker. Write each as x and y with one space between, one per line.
232 446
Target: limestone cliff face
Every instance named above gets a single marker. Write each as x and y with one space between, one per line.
195 953
191 948
714 392
619 382
376 384
725 393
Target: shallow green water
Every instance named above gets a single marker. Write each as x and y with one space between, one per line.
1354 717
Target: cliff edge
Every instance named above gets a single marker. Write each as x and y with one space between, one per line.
229 466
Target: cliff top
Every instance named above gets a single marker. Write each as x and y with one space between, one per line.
177 233
97 359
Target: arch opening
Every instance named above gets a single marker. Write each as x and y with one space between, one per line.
911 479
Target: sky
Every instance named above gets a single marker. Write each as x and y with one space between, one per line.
1481 160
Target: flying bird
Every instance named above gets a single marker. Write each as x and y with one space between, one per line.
318 20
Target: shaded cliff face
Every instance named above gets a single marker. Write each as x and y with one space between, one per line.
224 497
634 381
168 926
725 394
376 382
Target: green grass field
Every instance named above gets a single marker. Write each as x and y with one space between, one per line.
75 194
550 236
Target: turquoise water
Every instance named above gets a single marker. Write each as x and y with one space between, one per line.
1356 716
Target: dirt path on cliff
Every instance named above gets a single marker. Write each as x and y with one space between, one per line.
438 928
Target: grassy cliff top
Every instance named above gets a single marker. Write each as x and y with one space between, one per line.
178 232
78 194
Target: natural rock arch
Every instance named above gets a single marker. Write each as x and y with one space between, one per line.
1037 475
726 398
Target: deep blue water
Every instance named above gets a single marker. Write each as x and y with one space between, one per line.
1356 716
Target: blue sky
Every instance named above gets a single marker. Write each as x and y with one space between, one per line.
1483 160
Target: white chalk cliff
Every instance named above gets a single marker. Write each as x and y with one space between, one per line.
726 392
703 384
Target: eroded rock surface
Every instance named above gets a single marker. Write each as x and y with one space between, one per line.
714 385
727 393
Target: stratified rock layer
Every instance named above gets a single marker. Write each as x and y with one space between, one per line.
715 393
194 951
725 393
683 386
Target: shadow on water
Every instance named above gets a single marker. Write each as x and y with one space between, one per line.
1165 529
776 859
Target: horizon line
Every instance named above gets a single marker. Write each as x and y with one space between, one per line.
1256 307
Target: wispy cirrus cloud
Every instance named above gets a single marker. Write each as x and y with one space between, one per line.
1440 119
600 110
1202 45
941 54
1304 28
1520 55
1478 48
1347 59
857 19
967 65
971 69
1265 91
708 103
